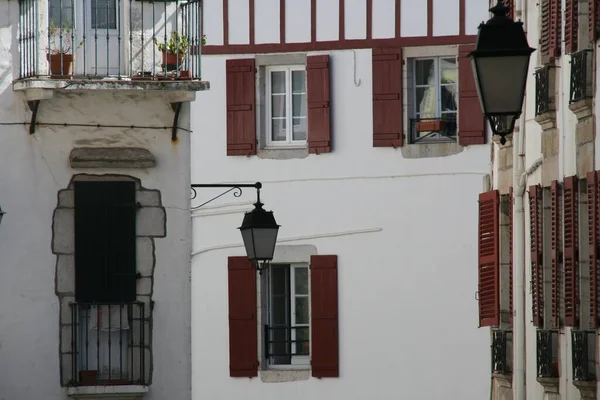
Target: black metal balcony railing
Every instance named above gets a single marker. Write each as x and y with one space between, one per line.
283 342
110 344
501 352
542 90
581 76
583 353
433 129
547 354
120 39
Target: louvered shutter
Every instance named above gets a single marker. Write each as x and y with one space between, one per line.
555 251
105 249
535 235
571 275
593 193
555 27
489 263
471 124
319 104
571 25
243 337
510 255
324 317
550 31
241 108
593 10
387 98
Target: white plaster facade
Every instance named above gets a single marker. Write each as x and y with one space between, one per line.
404 229
35 167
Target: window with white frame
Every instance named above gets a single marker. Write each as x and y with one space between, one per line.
286 106
287 334
434 99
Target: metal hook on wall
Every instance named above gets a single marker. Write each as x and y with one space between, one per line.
356 83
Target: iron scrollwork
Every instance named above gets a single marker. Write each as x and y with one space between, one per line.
235 188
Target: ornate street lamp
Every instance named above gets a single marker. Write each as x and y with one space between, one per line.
501 63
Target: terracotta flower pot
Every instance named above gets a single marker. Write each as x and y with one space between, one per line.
426 126
88 378
61 60
171 61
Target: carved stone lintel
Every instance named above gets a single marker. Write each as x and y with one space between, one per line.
582 108
586 389
550 384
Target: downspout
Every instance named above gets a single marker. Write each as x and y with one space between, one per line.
519 319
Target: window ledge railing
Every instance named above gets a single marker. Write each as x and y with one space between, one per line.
581 76
542 91
583 355
501 352
433 130
547 353
147 40
280 345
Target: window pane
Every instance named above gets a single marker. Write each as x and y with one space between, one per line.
302 341
301 280
278 82
278 130
61 13
299 129
424 72
426 102
104 14
448 71
278 281
278 105
301 310
448 98
298 82
299 105
279 312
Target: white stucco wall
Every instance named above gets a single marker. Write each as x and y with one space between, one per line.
33 168
405 232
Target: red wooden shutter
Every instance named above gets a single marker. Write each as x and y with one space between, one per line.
324 316
593 10
471 124
510 255
593 194
243 337
241 109
555 254
387 98
571 26
319 104
489 263
550 30
571 252
555 27
535 234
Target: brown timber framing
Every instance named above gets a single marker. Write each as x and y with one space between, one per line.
342 43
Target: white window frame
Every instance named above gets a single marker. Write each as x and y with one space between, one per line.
297 361
289 142
438 101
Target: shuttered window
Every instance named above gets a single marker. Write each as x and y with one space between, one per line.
324 316
555 240
241 108
387 98
535 236
593 194
105 229
243 336
593 19
550 29
571 244
571 25
489 263
471 126
319 104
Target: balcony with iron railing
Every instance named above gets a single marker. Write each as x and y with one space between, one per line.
286 344
543 99
583 352
501 352
547 354
581 82
110 44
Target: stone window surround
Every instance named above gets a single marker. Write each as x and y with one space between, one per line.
151 224
286 254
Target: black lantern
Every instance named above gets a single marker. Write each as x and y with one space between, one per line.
259 233
500 63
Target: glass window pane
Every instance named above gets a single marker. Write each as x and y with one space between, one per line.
298 105
302 341
426 105
448 98
279 283
299 129
424 72
278 105
448 72
298 82
104 14
301 280
61 15
279 313
278 130
301 310
278 82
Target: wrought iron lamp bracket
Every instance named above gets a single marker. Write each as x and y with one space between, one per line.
231 187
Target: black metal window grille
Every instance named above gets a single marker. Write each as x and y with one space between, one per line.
501 352
287 334
433 129
547 353
581 76
110 344
119 39
542 90
583 348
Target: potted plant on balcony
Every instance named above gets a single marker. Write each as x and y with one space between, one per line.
173 51
432 125
60 47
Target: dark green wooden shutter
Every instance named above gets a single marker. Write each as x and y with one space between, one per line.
105 229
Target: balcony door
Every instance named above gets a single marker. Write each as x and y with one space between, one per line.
103 52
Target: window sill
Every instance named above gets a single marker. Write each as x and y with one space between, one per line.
125 392
431 149
283 153
285 375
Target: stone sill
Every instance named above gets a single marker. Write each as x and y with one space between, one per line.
550 384
587 389
125 392
582 108
546 120
110 84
